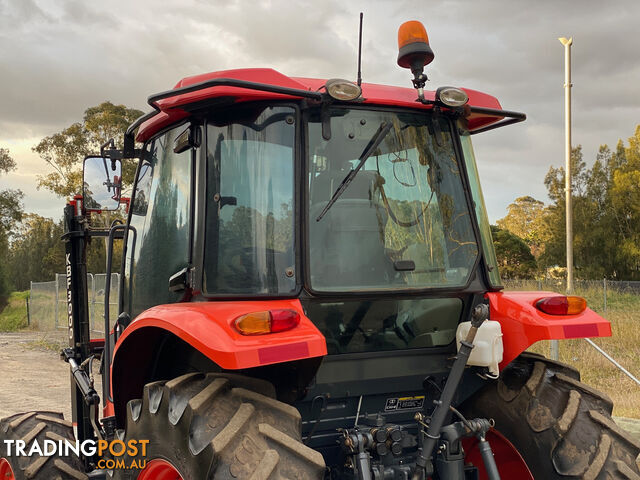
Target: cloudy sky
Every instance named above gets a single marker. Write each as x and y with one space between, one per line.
59 57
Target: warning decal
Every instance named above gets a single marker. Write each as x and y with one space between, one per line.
404 403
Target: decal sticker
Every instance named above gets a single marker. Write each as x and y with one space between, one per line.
404 403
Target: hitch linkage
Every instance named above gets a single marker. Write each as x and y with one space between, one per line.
85 385
83 381
435 431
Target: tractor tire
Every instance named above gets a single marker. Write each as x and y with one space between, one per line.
218 426
562 428
38 426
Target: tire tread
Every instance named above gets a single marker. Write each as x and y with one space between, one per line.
222 426
565 417
39 426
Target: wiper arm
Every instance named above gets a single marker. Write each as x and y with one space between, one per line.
375 141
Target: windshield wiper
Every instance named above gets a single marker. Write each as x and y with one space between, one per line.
375 141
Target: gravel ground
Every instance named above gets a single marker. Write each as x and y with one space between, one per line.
32 376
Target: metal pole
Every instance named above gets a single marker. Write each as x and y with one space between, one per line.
554 350
604 282
567 183
610 358
56 306
28 309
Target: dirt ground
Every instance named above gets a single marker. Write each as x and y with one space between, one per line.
32 376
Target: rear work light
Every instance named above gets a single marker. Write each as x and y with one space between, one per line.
561 305
270 321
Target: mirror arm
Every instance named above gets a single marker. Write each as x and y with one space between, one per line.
129 150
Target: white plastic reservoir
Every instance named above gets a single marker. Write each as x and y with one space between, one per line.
488 349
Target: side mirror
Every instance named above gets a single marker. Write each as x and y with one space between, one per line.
102 183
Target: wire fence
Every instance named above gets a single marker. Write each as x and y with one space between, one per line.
601 295
48 300
47 308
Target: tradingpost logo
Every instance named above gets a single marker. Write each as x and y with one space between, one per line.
114 450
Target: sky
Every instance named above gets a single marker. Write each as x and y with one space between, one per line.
57 58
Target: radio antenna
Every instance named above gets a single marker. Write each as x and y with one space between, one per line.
360 53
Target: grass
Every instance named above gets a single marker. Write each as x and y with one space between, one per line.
623 311
14 316
46 343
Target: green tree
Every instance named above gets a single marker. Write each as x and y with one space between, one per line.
606 213
525 218
65 150
36 254
10 214
10 200
554 219
515 260
625 200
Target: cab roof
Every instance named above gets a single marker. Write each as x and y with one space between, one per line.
172 107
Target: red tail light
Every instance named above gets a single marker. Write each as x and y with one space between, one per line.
562 305
271 321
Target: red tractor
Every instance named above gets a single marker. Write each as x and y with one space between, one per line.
309 290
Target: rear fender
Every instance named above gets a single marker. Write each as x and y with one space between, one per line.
523 324
208 327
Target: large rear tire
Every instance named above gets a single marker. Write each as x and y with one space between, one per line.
36 427
215 425
562 428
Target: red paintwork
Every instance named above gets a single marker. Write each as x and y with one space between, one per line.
159 469
96 344
6 473
523 324
510 463
208 327
373 94
108 410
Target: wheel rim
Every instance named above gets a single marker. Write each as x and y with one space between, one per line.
159 469
508 460
6 473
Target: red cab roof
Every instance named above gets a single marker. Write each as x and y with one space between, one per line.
172 109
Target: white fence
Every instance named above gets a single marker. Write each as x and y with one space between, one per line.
48 302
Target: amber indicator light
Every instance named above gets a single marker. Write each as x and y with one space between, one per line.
562 305
270 321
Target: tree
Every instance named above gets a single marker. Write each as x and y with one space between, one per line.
10 213
36 253
515 259
525 218
65 150
606 213
10 200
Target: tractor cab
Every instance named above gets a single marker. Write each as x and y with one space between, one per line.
309 290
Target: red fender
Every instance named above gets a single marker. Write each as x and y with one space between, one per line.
510 463
207 326
523 324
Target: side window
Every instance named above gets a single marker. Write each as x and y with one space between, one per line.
161 214
143 189
140 203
